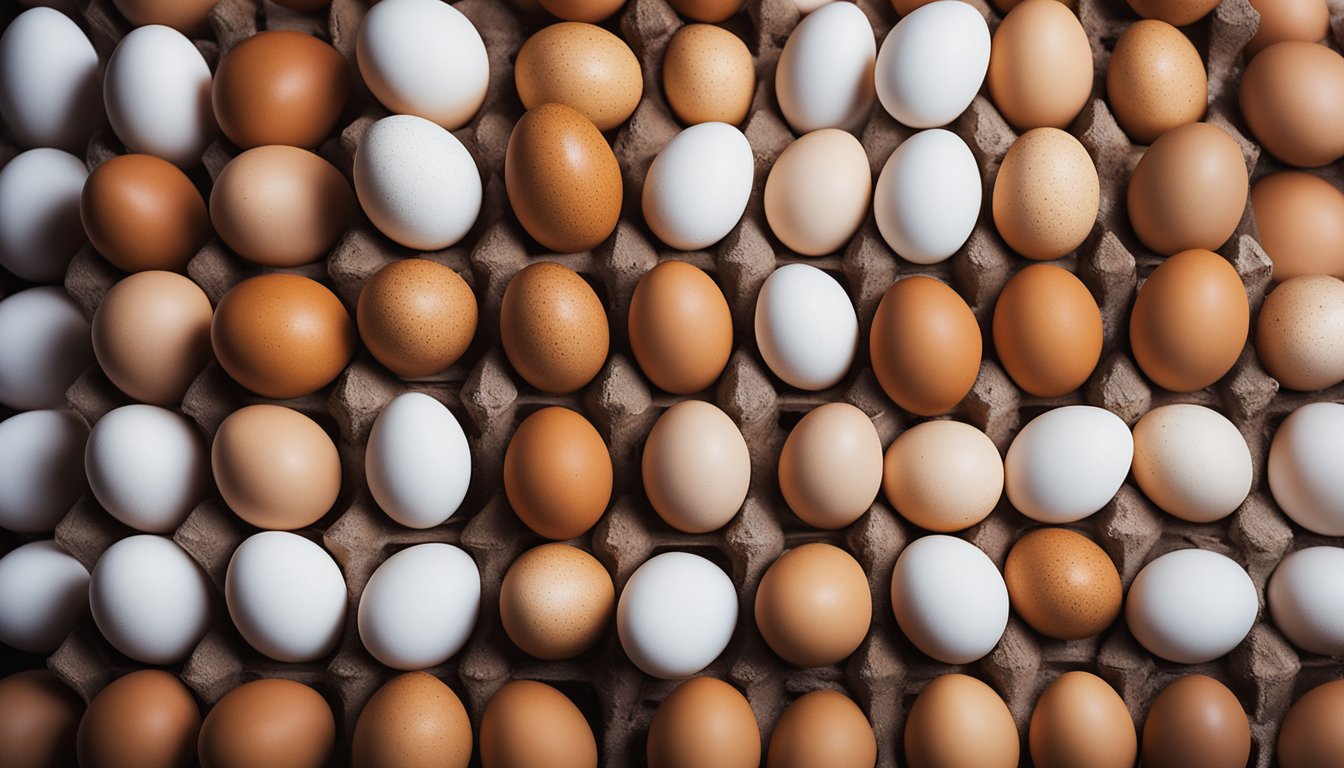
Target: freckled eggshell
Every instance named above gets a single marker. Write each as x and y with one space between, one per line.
1192 462
823 727
557 473
268 722
925 346
1289 98
1081 720
141 212
581 66
1188 190
1312 733
1280 20
1047 330
190 17
1299 335
943 476
680 328
417 317
39 717
412 721
1062 584
556 601
958 720
1155 80
147 719
532 725
707 10
553 328
1196 721
695 467
708 75
261 453
151 335
1040 66
1047 193
818 191
1301 221
830 468
280 87
704 721
813 605
1175 12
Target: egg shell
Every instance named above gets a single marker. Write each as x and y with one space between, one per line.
420 605
1046 194
813 606
949 599
1312 732
261 453
417 462
45 344
141 212
1175 12
1302 468
925 346
1067 463
818 191
927 198
553 328
412 721
40 229
557 473
707 10
1188 190
676 614
286 596
1047 330
1196 720
1298 334
147 718
417 317
147 466
1062 584
581 66
830 468
681 331
1287 101
150 599
698 186
1300 218
695 467
151 335
1191 606
268 722
704 721
1155 80
1304 599
822 727
958 720
280 87
932 63
41 469
1192 462
1280 20
43 593
824 78
591 11
157 94
1080 720
556 601
943 476
806 328
530 725
39 717
1040 66
708 75
190 17
50 84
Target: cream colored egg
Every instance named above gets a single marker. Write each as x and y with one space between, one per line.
818 191
1192 462
696 468
943 476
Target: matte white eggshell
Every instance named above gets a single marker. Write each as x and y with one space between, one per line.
1305 461
928 196
147 466
949 599
698 186
825 73
150 599
932 63
43 592
1191 606
40 227
286 596
1192 462
1067 463
41 469
417 462
419 606
1306 599
806 328
45 344
50 91
157 94
676 614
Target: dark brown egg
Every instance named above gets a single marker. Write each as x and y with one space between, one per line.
557 473
141 212
280 87
417 317
925 345
1196 722
269 722
532 725
704 721
1312 734
147 719
1290 99
1188 190
413 721
39 716
1047 330
680 328
553 328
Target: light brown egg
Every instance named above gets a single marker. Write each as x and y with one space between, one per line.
591 11
1046 194
190 17
1175 12
958 720
925 345
813 606
1289 98
704 721
268 722
147 719
708 75
581 66
1040 66
1312 733
412 721
1188 190
39 716
557 473
1196 722
830 469
1280 20
823 727
261 453
280 87
1299 335
1062 584
1047 330
417 317
695 467
556 601
711 11
1301 221
282 336
141 212
1155 80
1005 6
553 328
1080 720
680 328
532 725
818 192
281 206
943 476
151 335
562 179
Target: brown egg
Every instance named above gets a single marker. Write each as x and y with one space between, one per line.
702 722
1312 733
925 345
1175 12
712 11
1046 194
1280 20
1196 722
151 335
696 468
39 716
147 719
822 728
830 469
190 17
591 11
141 212
261 453
1062 584
581 66
1299 335
1005 6
1188 190
268 722
303 6
680 328
553 328
557 473
417 317
562 179
708 75
532 725
280 87
1289 98
1301 221
1155 80
1040 66
813 606
1047 330
281 206
958 720
412 721
1080 720
556 601
282 336
943 476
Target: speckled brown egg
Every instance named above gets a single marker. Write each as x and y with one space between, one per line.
591 11
151 335
925 344
1301 221
1312 733
1299 335
1290 100
704 721
712 11
823 727
1046 194
1155 80
1080 720
830 468
959 721
708 75
1040 66
1175 12
416 316
680 328
1047 330
39 716
1280 20
268 722
412 721
282 336
190 17
581 66
141 212
1062 584
557 473
532 725
813 606
553 328
1188 190
261 453
147 719
1196 722
280 87
556 601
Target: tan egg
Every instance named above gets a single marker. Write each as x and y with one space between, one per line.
417 317
1312 733
412 721
712 11
1189 190
1280 20
680 328
1046 194
1289 98
1047 330
39 717
813 605
708 75
818 191
1155 80
268 722
532 725
822 728
582 66
557 473
142 212
1080 720
1175 12
1196 721
1299 335
556 601
1190 321
1301 221
1040 66
151 335
943 476
704 722
190 17
925 345
563 181
146 719
830 469
1062 584
553 328
958 720
591 11
696 468
280 87
261 453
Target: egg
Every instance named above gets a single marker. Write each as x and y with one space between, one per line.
190 17
925 346
704 721
681 331
141 212
1067 463
1047 193
1062 584
1189 190
268 722
563 181
417 461
147 718
581 10
824 78
1175 12
1040 66
696 469
676 614
147 466
1298 335
712 11
150 599
151 335
1311 734
943 476
39 717
420 605
581 66
41 469
1192 462
708 75
932 63
813 606
1080 720
1284 100
529 725
1047 330
282 336
927 198
1300 218
280 87
157 93
949 599
958 720
40 229
1280 20
412 721
806 328
1191 606
44 591
698 186
1302 467
45 344
417 317
818 191
556 601
557 473
50 84
1196 720
553 328
261 453
1155 80
1303 599
286 596
822 727
830 468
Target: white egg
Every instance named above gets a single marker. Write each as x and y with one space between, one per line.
147 466
43 592
417 183
825 73
286 596
1067 463
417 462
928 195
41 469
157 93
420 606
423 57
150 599
1306 599
1191 606
45 344
949 599
932 63
698 186
676 614
1192 462
1305 458
50 92
806 328
40 228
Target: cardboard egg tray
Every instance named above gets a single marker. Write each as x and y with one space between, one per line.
886 673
